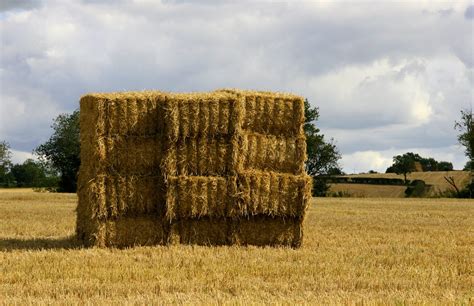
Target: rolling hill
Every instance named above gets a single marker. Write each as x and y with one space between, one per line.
436 179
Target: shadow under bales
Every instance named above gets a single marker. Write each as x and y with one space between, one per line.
66 243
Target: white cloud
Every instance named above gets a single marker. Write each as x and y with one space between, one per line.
363 161
18 157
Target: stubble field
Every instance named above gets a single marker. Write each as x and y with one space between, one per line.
386 251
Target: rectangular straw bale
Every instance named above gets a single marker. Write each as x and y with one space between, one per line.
271 194
261 116
133 113
92 119
198 157
136 231
196 196
271 153
270 113
111 196
202 231
265 230
199 115
122 155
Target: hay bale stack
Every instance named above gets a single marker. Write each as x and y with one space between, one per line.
225 167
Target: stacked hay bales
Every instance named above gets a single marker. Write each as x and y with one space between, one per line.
225 167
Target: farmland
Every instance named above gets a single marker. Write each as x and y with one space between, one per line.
436 179
354 250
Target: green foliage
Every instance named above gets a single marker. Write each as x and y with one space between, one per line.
466 138
469 166
445 166
27 174
62 150
33 174
427 164
404 164
6 178
466 129
323 156
416 189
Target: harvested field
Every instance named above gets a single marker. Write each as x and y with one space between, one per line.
371 251
436 179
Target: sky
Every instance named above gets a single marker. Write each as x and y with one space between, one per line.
388 77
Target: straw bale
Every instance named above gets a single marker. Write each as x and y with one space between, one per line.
124 232
199 115
128 232
197 156
128 113
271 194
92 119
202 231
270 113
257 230
111 196
196 196
271 153
265 230
122 155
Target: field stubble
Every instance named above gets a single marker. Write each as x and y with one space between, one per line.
354 250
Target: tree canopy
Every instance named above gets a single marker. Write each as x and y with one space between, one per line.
466 138
6 178
427 164
62 150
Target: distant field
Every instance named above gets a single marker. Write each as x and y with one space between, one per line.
432 178
384 251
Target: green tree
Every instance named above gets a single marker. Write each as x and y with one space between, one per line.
6 179
34 174
445 166
469 166
28 174
62 150
466 138
405 164
323 156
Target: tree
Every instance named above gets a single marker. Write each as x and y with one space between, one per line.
427 164
6 178
404 164
62 150
445 166
469 166
323 156
466 138
28 174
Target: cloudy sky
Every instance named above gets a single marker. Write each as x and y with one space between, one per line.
387 77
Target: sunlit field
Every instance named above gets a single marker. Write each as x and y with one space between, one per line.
355 250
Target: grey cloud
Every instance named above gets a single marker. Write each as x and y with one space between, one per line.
469 13
8 5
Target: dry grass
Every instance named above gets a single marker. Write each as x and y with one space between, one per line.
388 251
